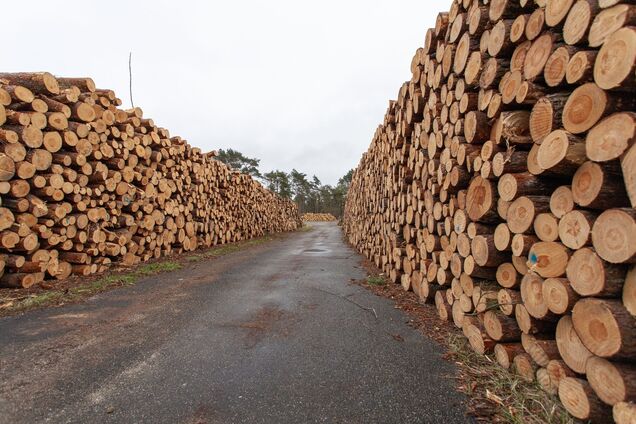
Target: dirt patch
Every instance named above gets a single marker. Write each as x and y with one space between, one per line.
266 322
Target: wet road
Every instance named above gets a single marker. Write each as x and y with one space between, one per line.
264 335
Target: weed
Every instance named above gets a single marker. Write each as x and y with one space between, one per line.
39 299
376 280
305 228
157 267
517 401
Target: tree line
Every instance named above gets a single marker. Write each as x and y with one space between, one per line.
308 192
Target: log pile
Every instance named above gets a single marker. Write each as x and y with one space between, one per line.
84 184
318 217
501 187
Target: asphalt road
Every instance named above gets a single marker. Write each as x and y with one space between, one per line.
263 335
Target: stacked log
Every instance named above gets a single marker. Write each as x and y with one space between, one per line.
502 184
85 184
318 217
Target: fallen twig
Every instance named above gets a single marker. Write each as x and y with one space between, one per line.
366 308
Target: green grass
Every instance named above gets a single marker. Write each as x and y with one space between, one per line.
518 401
157 267
39 300
103 284
85 289
376 280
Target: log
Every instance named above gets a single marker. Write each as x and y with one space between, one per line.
542 349
613 235
579 399
624 413
611 137
561 201
525 367
608 21
557 369
522 211
572 350
589 275
559 296
605 327
500 327
561 153
588 103
548 259
546 115
506 352
575 228
612 382
578 21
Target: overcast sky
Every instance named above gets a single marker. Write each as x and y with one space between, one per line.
296 84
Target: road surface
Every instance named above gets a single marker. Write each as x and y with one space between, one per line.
264 335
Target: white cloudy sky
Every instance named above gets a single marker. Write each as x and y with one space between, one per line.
297 84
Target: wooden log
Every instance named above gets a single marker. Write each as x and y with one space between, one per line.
500 327
591 276
571 348
608 21
561 153
559 296
538 54
578 21
524 366
588 103
605 327
506 352
611 137
624 413
545 381
561 201
542 349
580 67
548 259
557 369
612 382
613 235
522 211
575 228
532 297
39 82
546 115
593 187
579 399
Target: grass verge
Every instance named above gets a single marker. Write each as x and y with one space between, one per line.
75 289
498 395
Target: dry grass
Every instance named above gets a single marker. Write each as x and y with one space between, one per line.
498 395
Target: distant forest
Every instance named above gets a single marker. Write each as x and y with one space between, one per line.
308 192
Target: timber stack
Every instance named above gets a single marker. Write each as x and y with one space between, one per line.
318 217
501 187
85 184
